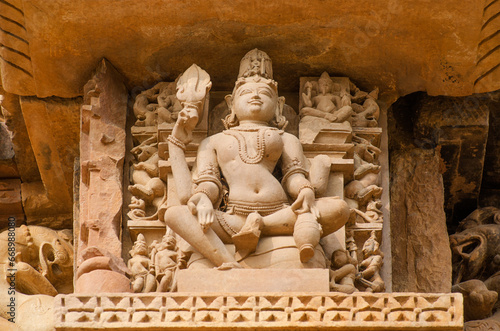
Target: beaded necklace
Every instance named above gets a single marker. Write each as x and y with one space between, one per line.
242 144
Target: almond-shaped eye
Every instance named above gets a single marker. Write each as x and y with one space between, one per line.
245 91
266 92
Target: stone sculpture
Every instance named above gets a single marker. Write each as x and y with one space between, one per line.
157 105
476 267
245 155
153 268
141 268
44 264
148 190
343 272
44 260
366 114
165 260
365 157
334 103
331 102
369 269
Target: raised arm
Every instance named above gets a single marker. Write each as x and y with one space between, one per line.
307 97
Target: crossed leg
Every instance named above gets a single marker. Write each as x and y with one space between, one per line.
333 211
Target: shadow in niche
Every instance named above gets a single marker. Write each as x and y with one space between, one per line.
490 186
463 130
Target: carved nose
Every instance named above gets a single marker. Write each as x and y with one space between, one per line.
255 95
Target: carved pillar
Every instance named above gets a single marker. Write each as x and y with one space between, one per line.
102 151
420 243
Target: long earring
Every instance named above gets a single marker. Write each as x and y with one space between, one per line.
281 121
230 120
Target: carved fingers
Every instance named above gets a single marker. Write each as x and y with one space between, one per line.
201 206
306 203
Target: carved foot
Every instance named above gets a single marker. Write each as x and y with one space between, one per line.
248 237
306 252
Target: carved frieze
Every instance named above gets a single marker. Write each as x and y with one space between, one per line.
308 311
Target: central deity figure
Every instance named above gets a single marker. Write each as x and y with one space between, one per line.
245 156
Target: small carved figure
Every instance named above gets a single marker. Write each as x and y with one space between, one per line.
137 208
363 190
366 115
332 102
158 104
343 272
365 157
141 269
165 256
373 214
168 105
369 269
148 189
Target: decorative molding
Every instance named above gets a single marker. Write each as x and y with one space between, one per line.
15 58
488 50
336 311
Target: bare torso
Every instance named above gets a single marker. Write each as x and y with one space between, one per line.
247 160
325 102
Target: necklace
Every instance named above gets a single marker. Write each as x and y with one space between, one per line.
242 144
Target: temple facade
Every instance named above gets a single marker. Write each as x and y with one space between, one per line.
253 165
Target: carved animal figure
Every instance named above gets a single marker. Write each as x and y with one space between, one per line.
476 265
44 263
476 252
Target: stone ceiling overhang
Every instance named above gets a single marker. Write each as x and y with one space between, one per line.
399 46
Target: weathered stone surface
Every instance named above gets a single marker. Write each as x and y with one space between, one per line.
420 246
8 166
490 186
102 281
25 159
53 128
253 280
465 131
490 323
460 127
433 45
10 201
102 151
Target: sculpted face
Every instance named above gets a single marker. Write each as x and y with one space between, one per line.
255 101
325 86
56 263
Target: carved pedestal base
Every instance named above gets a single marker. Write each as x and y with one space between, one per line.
270 311
253 280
